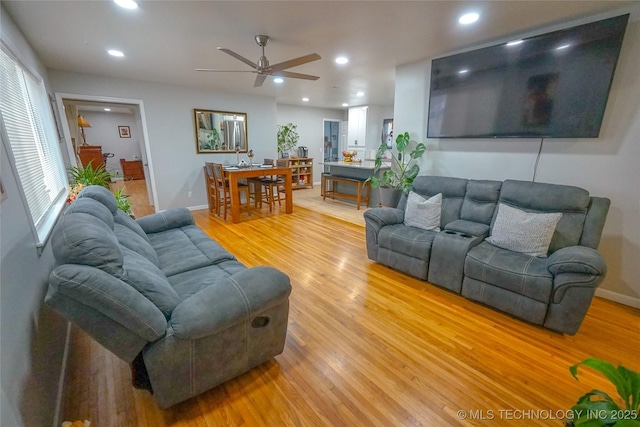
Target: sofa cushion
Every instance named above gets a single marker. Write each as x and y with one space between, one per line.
523 274
130 239
186 248
101 195
79 238
480 201
526 232
93 208
191 282
411 241
423 213
452 189
572 202
146 278
123 219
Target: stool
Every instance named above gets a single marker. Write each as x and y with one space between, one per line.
328 188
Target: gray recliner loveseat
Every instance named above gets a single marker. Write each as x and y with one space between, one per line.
160 292
554 291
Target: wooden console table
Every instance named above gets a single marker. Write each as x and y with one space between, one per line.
132 169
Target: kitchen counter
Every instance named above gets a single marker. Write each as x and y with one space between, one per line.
365 164
358 170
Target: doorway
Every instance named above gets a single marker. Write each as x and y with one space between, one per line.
117 125
331 144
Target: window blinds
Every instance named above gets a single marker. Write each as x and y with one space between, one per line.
28 123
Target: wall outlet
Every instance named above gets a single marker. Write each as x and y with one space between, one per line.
189 193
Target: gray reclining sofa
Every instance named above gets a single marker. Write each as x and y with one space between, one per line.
553 291
159 292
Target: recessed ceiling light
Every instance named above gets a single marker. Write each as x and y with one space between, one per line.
305 99
107 109
127 4
278 80
360 94
116 53
342 60
345 104
463 71
514 42
468 18
564 46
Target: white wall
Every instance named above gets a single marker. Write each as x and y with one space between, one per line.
104 132
608 166
32 336
170 123
310 128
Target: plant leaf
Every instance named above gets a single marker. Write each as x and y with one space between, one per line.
615 375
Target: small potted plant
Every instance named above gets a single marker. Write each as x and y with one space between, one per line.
287 138
397 180
597 408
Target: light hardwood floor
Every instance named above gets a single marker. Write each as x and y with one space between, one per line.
366 346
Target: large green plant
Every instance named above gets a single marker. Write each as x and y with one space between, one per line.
287 137
404 167
87 175
603 410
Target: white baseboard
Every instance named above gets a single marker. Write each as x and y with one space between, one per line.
620 298
198 208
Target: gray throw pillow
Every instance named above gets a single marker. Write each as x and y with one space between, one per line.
423 213
525 232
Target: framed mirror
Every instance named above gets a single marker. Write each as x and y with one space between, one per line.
220 131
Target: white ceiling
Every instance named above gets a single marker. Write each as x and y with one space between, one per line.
164 41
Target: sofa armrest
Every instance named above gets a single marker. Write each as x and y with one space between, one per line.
575 266
228 302
167 220
576 259
379 217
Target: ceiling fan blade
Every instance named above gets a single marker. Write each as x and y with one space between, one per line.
214 70
296 75
239 57
259 80
295 62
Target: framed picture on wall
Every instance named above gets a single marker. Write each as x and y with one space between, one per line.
124 131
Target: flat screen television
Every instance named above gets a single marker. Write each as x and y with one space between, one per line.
553 85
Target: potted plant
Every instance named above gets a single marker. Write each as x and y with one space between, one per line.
89 176
397 180
124 204
603 410
287 138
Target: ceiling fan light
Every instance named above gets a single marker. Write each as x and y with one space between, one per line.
278 80
341 60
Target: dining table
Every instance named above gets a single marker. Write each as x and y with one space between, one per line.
236 173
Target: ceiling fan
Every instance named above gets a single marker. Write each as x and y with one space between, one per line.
262 67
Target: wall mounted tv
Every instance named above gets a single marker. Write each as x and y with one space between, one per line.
553 85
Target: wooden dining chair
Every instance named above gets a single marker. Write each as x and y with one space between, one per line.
223 192
271 186
212 188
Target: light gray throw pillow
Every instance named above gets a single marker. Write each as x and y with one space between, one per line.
423 213
525 232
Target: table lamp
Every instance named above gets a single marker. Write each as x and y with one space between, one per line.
83 123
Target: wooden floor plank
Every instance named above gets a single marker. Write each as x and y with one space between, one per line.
366 345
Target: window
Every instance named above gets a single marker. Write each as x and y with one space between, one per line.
30 139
